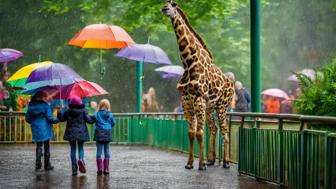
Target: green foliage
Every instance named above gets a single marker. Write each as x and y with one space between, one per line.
318 96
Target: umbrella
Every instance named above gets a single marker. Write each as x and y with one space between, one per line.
82 89
7 55
19 78
144 52
171 71
55 74
274 92
170 75
308 72
101 36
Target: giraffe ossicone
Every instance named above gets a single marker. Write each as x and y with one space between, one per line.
204 88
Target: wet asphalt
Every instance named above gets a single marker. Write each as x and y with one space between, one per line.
130 167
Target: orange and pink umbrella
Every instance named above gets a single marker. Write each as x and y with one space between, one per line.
102 36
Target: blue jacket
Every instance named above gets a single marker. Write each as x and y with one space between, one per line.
40 118
104 123
77 117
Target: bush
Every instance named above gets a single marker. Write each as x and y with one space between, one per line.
318 96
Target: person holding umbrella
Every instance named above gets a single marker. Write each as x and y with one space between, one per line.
76 131
40 118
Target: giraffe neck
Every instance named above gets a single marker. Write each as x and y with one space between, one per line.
190 43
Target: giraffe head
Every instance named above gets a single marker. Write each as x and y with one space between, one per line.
170 9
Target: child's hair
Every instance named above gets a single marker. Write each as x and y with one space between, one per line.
40 95
104 105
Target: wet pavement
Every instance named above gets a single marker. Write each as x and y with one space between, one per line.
131 167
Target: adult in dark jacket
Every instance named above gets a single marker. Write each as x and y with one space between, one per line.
242 101
103 135
40 118
76 131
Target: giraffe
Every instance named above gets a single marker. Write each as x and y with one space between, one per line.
203 87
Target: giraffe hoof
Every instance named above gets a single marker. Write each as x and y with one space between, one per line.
202 167
226 165
189 166
210 162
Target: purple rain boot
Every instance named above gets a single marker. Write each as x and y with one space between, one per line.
99 166
81 166
106 166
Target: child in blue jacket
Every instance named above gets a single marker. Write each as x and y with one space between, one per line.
103 135
76 131
40 118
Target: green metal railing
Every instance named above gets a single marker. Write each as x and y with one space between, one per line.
279 148
291 153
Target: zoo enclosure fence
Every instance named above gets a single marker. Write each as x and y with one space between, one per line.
288 149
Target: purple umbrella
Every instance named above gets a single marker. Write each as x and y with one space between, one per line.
308 72
170 75
52 72
171 71
178 70
8 55
55 74
144 52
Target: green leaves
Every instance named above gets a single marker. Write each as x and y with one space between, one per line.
318 97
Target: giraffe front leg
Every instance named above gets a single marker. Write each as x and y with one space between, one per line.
225 132
213 131
200 107
188 109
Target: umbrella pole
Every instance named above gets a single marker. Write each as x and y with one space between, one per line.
139 77
102 68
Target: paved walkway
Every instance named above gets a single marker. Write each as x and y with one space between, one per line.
131 167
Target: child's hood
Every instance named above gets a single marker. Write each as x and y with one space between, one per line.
36 108
103 114
76 110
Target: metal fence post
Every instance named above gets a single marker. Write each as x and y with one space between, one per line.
281 160
303 173
129 130
240 142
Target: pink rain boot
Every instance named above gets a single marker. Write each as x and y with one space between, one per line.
106 166
99 166
81 166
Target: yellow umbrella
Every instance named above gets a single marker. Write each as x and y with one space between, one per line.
18 79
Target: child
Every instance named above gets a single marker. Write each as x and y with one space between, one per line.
76 131
104 123
40 118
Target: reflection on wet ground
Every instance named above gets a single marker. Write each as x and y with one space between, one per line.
131 167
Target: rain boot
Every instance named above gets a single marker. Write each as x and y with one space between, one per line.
106 166
99 166
47 164
74 169
226 165
38 164
81 166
